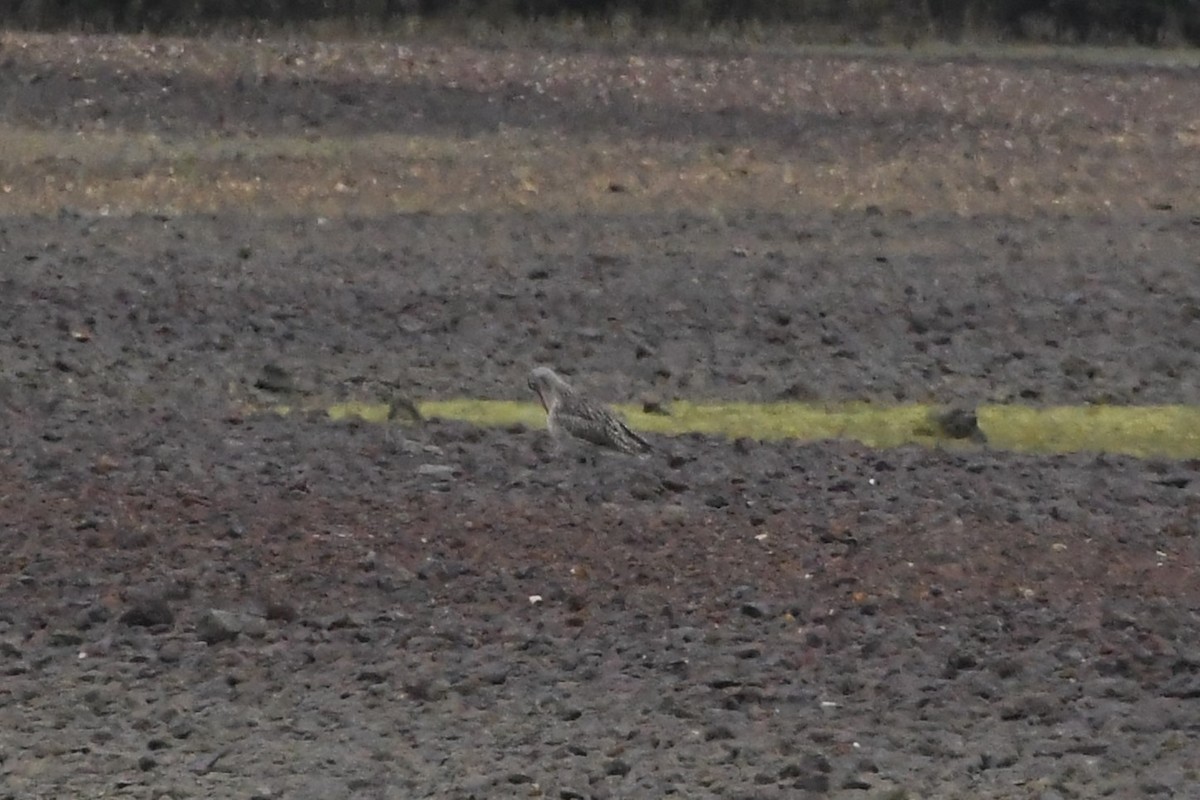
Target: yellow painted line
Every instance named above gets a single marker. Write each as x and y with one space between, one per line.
1169 431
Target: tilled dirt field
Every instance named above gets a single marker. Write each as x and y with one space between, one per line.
198 601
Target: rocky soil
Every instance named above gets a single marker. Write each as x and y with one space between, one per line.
200 601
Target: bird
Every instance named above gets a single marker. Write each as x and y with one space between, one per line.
574 415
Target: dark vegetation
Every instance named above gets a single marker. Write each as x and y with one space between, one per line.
1146 22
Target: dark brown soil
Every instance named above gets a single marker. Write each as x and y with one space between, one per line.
197 601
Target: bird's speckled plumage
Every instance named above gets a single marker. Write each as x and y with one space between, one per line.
570 413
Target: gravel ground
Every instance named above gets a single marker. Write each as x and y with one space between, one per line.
197 601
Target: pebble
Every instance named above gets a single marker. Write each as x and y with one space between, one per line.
149 612
221 626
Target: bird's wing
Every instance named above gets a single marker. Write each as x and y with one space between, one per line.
595 423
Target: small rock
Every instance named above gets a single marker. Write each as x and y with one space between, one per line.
672 485
1079 368
1031 705
170 652
495 676
275 379
181 729
435 689
340 622
279 611
798 391
960 660
816 762
216 626
92 615
813 783
653 404
101 647
414 448
957 423
1184 686
222 626
1001 759
436 470
148 612
811 773
176 589
127 539
754 610
1153 786
1174 482
674 512
105 464
64 639
643 490
205 762
718 733
371 675
403 409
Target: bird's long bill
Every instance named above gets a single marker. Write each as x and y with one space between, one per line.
541 393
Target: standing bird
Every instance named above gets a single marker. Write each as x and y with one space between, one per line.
571 413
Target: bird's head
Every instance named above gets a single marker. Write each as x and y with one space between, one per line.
548 386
